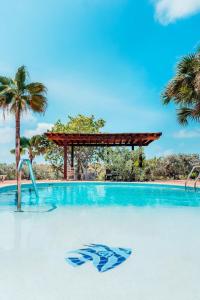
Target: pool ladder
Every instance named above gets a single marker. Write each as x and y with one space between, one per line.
196 167
29 165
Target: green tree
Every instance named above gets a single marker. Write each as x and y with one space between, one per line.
17 96
123 162
184 89
83 155
176 166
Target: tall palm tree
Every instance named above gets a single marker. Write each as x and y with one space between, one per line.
18 96
184 89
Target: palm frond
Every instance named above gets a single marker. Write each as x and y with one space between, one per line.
24 142
5 101
35 139
171 90
187 65
3 88
165 98
6 90
12 151
197 83
36 88
20 77
183 114
38 103
22 151
185 95
5 80
196 112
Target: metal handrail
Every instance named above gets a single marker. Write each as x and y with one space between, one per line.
28 163
197 178
195 183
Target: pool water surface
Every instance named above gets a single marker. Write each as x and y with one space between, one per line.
103 194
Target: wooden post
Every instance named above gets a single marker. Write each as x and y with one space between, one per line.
65 162
72 163
72 156
140 157
132 171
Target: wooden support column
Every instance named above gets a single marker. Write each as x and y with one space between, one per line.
140 157
132 171
72 156
65 162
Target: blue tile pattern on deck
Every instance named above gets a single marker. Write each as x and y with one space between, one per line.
104 258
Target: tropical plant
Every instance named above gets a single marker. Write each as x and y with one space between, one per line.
184 89
33 146
18 96
23 146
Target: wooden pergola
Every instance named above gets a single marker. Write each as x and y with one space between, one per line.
72 140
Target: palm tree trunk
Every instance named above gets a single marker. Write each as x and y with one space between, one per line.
17 151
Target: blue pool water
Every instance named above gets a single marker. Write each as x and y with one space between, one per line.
102 194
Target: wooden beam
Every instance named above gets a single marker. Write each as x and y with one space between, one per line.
103 145
103 140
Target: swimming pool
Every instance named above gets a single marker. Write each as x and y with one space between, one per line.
161 224
102 194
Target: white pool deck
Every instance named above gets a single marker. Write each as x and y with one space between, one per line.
165 264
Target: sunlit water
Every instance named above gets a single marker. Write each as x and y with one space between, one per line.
103 194
160 224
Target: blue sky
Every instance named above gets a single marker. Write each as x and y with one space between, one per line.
110 58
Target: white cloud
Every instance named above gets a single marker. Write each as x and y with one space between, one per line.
187 134
40 129
168 11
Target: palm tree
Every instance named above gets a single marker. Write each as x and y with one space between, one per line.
23 146
18 96
184 89
33 145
